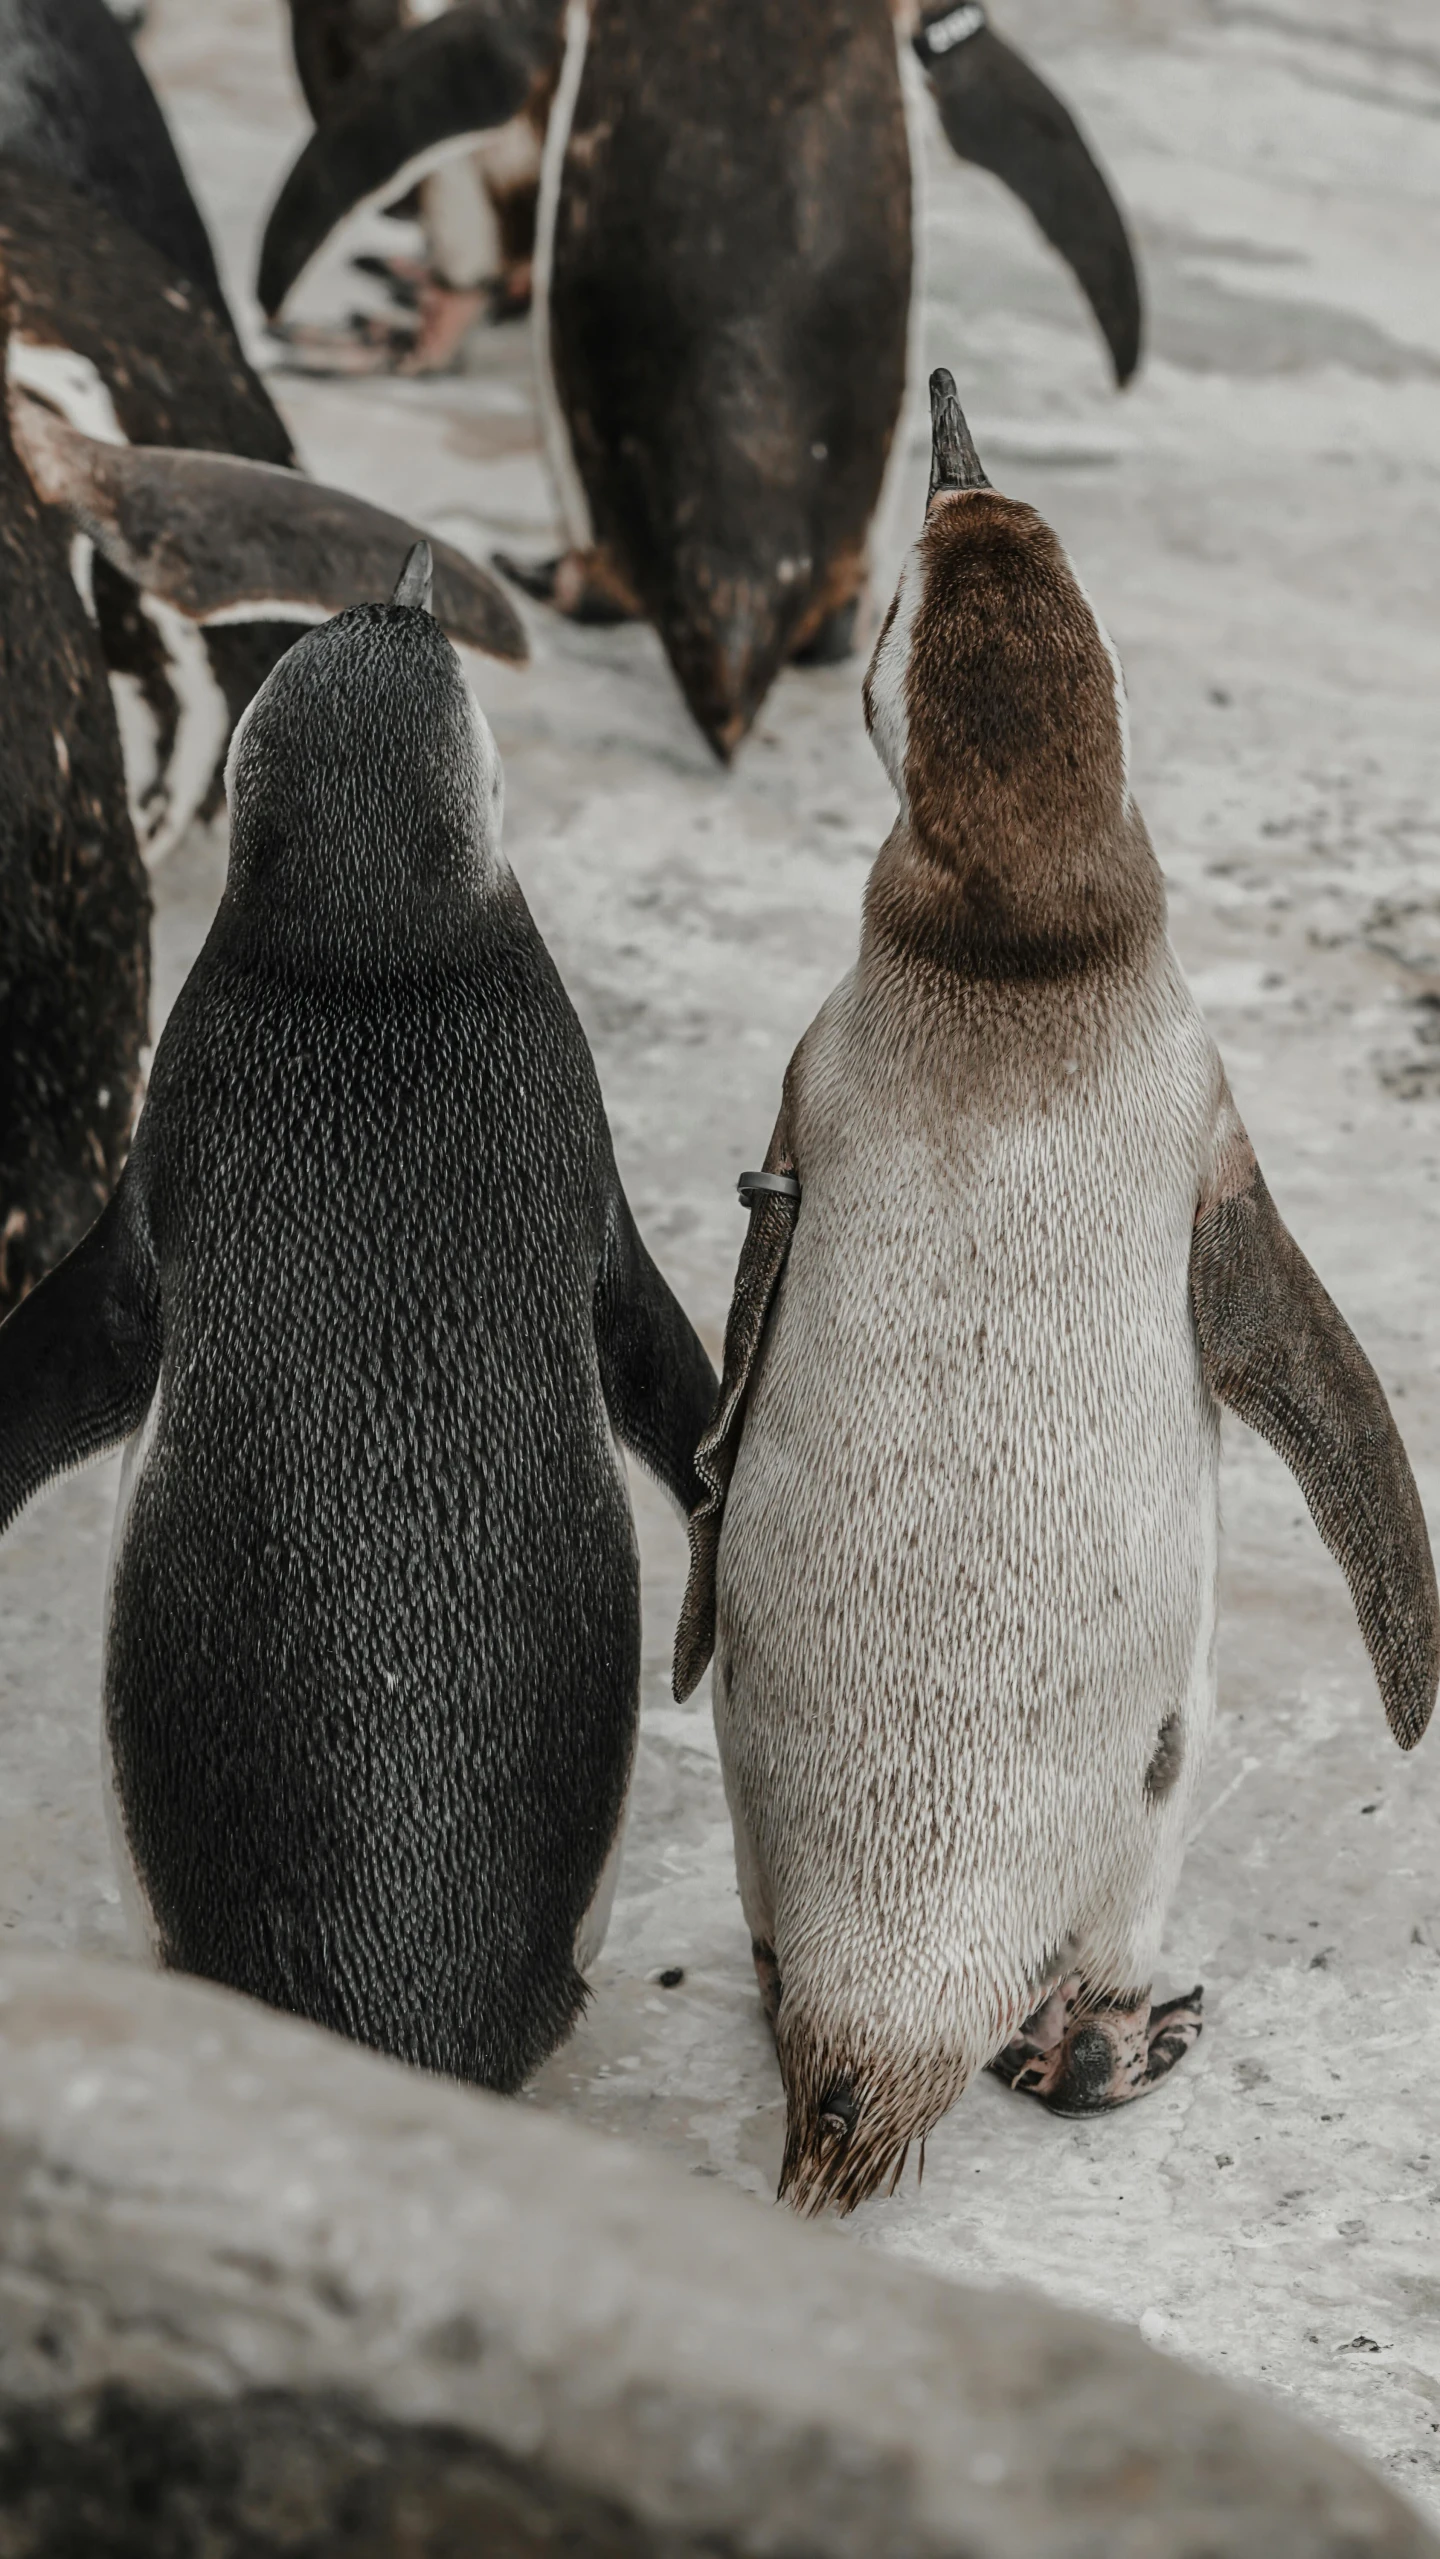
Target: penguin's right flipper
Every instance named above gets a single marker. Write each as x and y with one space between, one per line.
424 93
762 1260
1278 1352
999 113
80 1356
224 540
659 1384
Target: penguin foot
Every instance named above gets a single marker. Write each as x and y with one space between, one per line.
447 316
580 584
1086 2051
362 345
401 277
507 295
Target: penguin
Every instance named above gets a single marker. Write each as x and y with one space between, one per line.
722 285
122 558
119 319
332 39
74 902
128 350
371 1311
75 104
1009 1256
477 211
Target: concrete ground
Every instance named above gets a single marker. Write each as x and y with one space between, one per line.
1259 520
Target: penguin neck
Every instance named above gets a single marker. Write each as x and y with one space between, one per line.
307 929
987 906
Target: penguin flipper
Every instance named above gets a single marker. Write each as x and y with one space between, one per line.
762 1260
431 87
1278 1352
659 1384
80 1356
999 113
223 539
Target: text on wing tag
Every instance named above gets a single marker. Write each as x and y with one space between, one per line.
956 27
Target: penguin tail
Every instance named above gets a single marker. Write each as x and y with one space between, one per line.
851 2121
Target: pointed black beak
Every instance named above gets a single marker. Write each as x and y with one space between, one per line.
954 462
416 579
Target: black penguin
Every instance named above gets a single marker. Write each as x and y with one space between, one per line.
75 104
74 901
162 543
83 286
442 293
723 275
371 1298
331 39
81 279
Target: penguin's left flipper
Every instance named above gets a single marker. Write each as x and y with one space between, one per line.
1278 1352
658 1382
763 1257
80 1356
425 92
999 113
227 540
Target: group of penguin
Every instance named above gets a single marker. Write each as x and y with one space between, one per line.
363 1297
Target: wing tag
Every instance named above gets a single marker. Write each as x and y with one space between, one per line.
752 1186
957 26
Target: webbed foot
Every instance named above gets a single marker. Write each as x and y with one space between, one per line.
1086 2051
582 585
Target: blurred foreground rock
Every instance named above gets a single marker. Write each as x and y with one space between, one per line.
261 2292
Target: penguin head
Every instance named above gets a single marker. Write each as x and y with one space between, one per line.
365 788
996 703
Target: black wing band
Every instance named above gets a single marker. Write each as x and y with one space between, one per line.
999 113
751 1185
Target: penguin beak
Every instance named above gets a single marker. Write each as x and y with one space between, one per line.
954 462
417 578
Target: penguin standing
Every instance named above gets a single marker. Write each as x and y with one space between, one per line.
122 558
371 1307
1010 1254
180 575
477 210
722 283
74 900
75 104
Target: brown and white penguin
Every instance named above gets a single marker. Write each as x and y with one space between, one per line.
722 283
1010 1254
